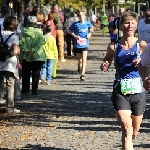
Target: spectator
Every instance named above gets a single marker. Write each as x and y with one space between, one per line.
59 33
51 55
40 22
69 39
26 14
32 55
8 68
4 13
104 22
116 24
113 36
93 18
50 22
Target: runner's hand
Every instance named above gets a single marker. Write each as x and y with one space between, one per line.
136 62
115 31
89 35
146 83
104 66
77 37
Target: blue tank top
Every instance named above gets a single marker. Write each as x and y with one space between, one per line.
125 69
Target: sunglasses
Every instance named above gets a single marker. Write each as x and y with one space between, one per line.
147 16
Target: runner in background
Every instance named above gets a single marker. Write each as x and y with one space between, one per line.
81 31
116 24
104 23
93 18
113 36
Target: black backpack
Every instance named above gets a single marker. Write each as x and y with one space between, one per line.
4 47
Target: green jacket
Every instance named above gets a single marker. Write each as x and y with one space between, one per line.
104 19
32 39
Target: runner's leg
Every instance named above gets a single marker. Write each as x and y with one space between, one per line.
136 122
84 59
124 118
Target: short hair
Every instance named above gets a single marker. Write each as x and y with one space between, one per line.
10 23
126 14
122 9
48 29
40 17
50 16
81 10
5 9
35 7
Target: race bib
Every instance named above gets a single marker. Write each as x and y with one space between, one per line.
82 41
131 86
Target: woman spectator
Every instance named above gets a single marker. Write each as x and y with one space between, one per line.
32 55
9 68
40 22
50 22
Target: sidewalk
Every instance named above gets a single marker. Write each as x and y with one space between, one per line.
70 114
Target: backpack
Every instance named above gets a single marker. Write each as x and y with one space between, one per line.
4 51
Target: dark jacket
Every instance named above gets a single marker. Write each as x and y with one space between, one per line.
57 21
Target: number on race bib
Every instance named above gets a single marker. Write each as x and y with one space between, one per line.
131 86
82 41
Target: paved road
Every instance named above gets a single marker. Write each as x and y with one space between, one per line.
70 114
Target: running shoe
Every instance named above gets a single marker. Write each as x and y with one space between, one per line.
63 60
82 78
12 110
43 81
2 101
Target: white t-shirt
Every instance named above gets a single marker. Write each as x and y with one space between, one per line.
93 18
144 34
144 31
11 64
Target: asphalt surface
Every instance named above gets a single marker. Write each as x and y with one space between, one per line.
70 114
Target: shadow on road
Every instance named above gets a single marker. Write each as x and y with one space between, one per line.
36 111
36 147
41 110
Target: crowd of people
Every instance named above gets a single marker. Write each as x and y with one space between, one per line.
39 45
36 45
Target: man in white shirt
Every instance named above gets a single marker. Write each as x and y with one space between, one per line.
144 34
93 19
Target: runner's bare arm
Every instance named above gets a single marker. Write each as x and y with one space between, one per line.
142 69
108 58
72 33
90 32
142 45
110 53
